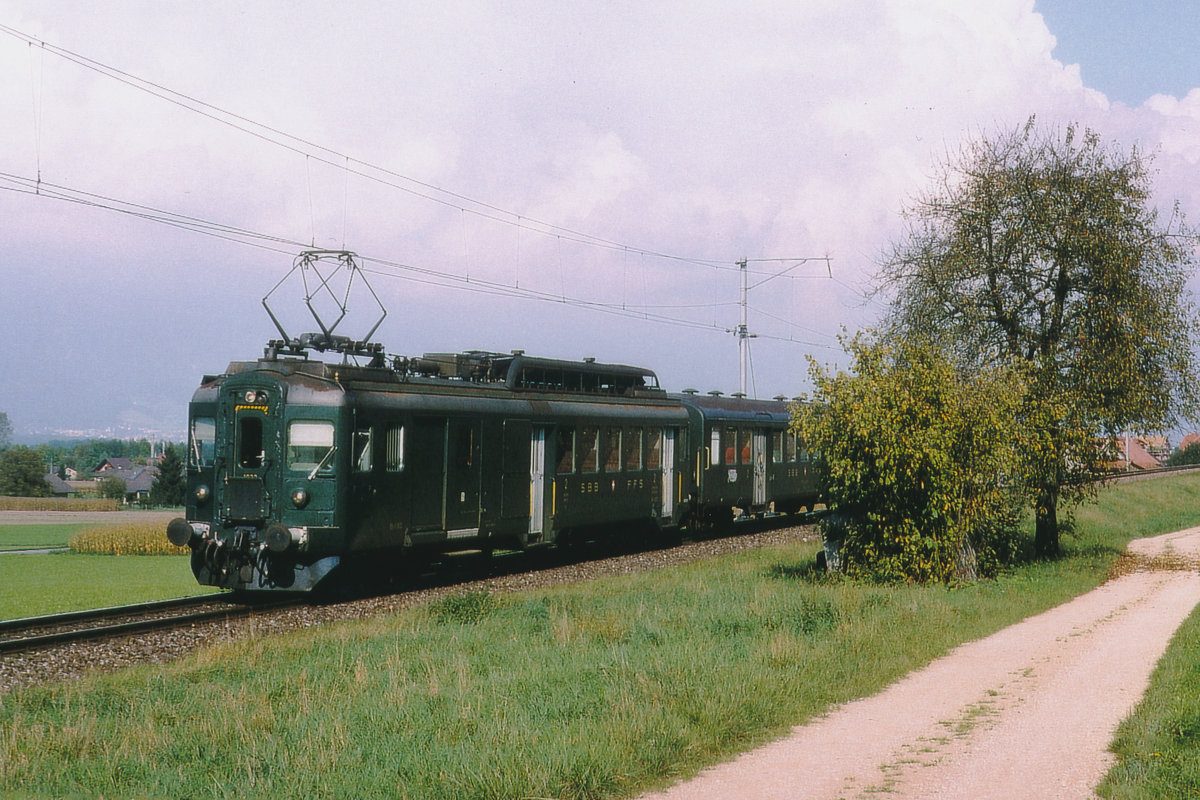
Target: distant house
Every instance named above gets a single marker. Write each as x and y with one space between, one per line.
137 479
137 485
1189 440
1137 457
110 464
59 487
1157 446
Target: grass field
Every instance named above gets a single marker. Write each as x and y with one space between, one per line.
33 537
45 584
592 690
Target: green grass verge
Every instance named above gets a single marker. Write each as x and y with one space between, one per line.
29 537
595 690
46 584
1158 746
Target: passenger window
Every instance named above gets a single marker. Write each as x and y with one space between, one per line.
745 437
714 456
589 445
654 449
362 450
777 447
612 456
394 458
790 447
633 449
310 445
204 439
565 443
250 442
730 442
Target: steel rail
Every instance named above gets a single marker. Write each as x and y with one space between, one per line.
134 618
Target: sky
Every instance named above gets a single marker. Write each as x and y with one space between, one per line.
570 179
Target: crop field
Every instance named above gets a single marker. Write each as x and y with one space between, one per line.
599 689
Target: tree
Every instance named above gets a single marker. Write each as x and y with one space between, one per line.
22 474
111 488
168 487
1185 456
917 457
1042 251
6 431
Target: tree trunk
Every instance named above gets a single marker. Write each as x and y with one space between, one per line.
1045 537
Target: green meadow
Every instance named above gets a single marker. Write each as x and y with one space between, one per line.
599 689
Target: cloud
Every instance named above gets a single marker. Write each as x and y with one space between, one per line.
558 147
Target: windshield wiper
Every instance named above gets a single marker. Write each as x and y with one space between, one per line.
328 455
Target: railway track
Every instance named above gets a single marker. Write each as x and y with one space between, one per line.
31 633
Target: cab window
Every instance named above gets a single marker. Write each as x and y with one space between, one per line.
204 439
309 445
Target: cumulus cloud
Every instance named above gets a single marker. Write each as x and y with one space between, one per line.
561 148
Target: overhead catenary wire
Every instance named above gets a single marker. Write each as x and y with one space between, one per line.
343 161
384 267
313 151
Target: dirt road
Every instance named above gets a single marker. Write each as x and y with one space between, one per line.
1025 713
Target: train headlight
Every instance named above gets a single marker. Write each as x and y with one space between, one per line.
202 493
300 498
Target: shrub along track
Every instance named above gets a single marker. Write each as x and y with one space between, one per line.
1026 712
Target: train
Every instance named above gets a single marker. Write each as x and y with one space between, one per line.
300 468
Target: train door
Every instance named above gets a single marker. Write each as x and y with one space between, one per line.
668 472
537 482
255 449
462 477
425 467
758 456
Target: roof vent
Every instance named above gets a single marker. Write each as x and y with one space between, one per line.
690 391
716 393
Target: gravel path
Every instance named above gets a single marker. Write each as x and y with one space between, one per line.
1026 712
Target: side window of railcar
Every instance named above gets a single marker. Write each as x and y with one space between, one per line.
204 440
612 452
653 448
633 449
777 447
362 450
309 445
744 436
714 456
730 442
394 457
790 446
589 449
565 442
